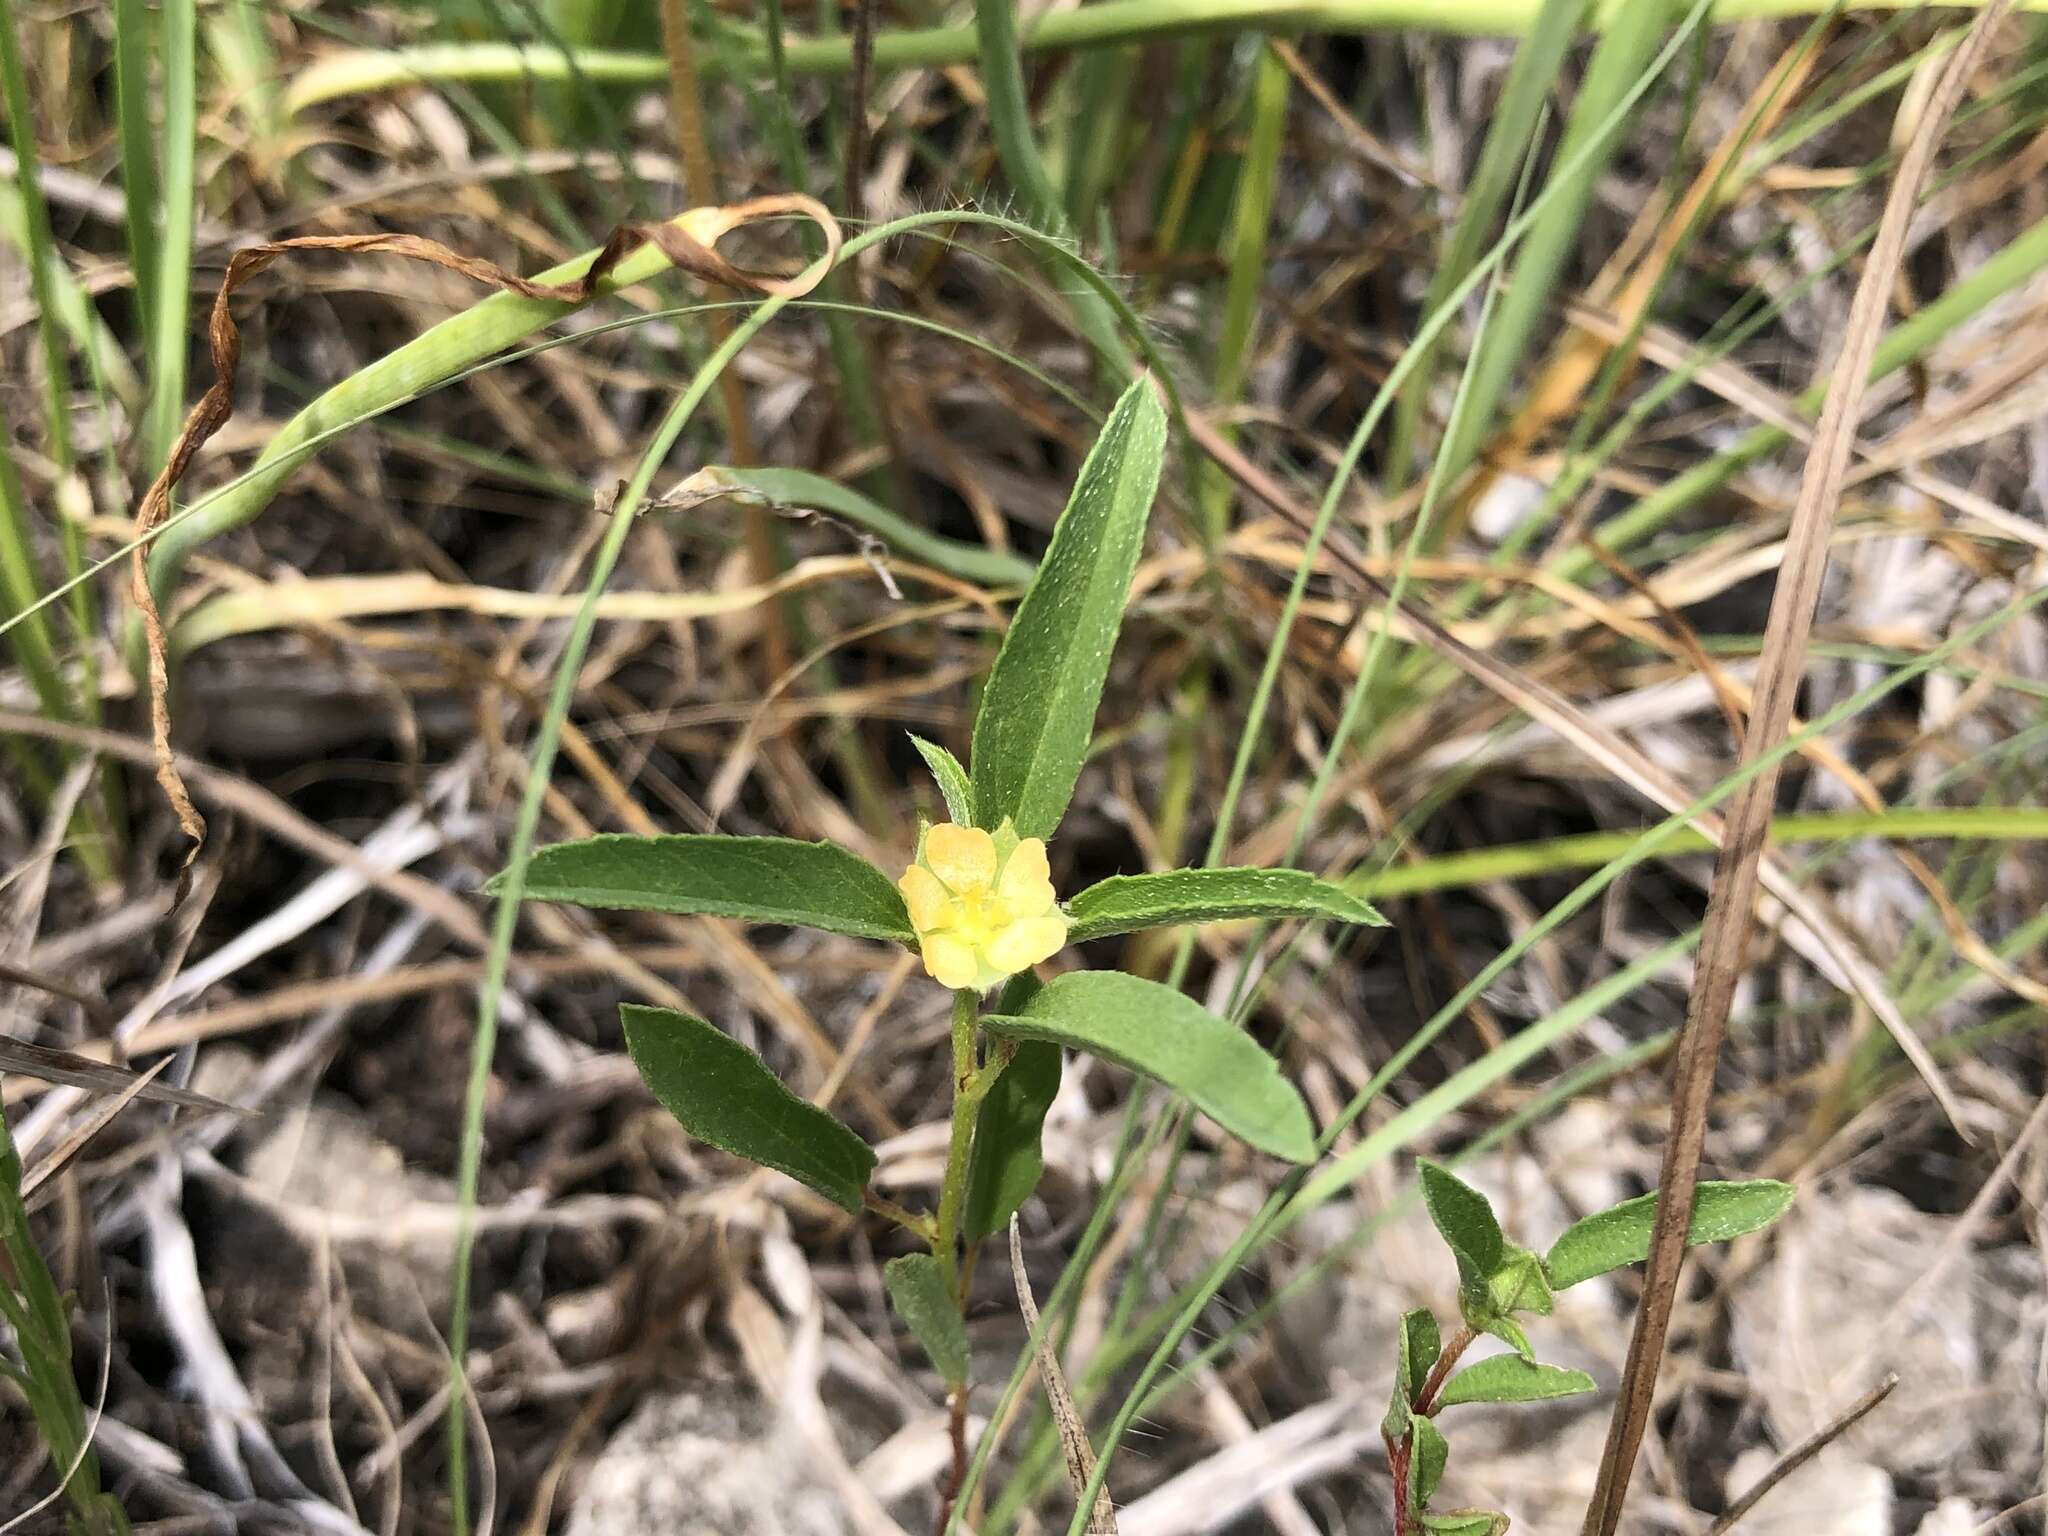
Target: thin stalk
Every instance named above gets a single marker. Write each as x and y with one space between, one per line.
1552 856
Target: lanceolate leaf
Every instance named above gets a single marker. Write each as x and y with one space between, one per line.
1426 1461
1466 1221
1421 1342
756 879
1619 1236
1126 903
724 1094
1038 710
950 777
1008 1161
1511 1379
1157 1031
918 1293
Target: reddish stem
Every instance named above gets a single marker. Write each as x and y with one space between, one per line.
1433 1383
1397 1463
957 1478
1401 1452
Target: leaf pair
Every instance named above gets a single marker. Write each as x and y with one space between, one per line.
1605 1241
724 1094
825 886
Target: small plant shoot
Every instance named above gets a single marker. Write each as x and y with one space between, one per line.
978 905
1499 1281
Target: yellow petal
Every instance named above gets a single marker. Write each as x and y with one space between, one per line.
1023 944
930 905
963 857
950 962
1026 885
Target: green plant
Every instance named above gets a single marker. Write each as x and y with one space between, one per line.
38 1318
978 904
1499 1281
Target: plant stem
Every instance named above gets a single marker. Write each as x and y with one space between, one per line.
1398 1453
1401 1452
1425 1400
967 1097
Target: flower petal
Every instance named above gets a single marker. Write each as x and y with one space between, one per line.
963 857
931 906
950 962
1023 944
1026 884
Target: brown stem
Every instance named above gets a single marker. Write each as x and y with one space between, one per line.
1433 1383
956 1425
1398 1452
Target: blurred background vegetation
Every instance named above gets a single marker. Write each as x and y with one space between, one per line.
1519 308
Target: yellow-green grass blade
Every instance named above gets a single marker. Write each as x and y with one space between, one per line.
1108 24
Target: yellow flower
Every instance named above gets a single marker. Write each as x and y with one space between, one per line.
982 905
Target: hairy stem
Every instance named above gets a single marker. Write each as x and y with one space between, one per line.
967 1097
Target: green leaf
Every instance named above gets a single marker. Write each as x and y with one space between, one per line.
1466 1221
1427 1455
1007 1161
1038 710
1511 1379
950 777
1504 1328
1466 1522
917 1290
723 1094
1126 903
1620 1236
1157 1031
1518 1284
800 488
756 879
1420 1342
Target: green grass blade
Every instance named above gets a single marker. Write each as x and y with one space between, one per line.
169 336
1592 135
134 24
1539 61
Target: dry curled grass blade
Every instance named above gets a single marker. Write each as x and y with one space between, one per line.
1736 872
688 241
